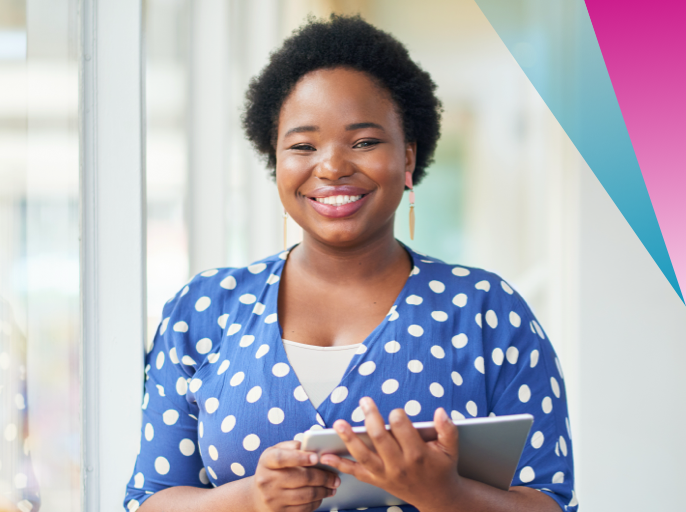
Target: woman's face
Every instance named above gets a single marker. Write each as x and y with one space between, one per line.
341 157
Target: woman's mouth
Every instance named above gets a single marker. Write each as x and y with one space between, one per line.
340 205
337 200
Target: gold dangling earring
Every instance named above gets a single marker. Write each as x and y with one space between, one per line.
408 183
285 229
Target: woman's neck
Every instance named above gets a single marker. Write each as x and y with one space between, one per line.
371 260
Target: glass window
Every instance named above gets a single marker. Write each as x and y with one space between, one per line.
39 257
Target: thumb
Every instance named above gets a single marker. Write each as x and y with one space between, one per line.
447 433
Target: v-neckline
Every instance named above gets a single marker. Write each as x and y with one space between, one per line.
366 343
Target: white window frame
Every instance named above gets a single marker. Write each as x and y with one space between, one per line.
113 255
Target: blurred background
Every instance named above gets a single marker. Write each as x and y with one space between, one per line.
507 192
39 255
500 193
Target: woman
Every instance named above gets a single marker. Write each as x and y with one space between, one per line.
347 121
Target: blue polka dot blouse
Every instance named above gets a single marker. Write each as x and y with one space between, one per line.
219 389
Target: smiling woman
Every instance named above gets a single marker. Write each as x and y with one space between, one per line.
357 148
347 121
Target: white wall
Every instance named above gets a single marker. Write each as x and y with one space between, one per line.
631 424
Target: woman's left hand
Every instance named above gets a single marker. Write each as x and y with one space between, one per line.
421 473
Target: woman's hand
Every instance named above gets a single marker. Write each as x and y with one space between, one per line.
420 473
283 480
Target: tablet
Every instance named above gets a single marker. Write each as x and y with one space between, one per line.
489 452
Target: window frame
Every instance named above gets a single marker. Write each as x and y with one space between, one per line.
113 249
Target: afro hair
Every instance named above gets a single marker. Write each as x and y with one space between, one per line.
344 41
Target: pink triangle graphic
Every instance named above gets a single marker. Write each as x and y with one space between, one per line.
644 48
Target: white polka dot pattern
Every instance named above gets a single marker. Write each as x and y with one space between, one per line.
203 303
357 415
367 368
391 347
436 389
413 408
415 330
456 416
228 423
390 386
498 356
222 320
415 366
460 340
223 391
300 394
228 283
436 286
512 355
439 316
438 352
483 285
527 474
280 369
275 416
162 465
460 300
339 394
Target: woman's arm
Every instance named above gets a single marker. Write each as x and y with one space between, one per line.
232 497
282 481
474 496
425 474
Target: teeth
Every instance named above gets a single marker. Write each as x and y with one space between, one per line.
338 200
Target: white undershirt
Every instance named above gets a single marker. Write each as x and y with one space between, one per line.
319 369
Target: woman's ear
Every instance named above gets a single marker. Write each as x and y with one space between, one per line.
410 156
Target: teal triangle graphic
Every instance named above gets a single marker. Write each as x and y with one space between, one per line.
555 45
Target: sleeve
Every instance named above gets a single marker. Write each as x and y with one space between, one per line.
169 455
531 381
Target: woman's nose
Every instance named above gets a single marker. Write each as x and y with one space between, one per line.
333 165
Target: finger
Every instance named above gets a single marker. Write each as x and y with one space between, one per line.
384 442
310 477
357 448
447 433
288 445
279 458
403 431
304 495
346 466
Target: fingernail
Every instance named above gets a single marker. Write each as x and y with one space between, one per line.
341 431
337 482
364 404
313 458
332 492
443 415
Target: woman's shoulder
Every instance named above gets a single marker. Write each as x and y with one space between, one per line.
195 318
458 277
216 281
485 298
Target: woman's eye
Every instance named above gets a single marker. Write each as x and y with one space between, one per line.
302 147
366 144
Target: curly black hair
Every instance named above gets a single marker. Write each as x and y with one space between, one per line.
344 41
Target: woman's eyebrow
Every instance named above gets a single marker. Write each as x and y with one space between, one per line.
359 126
302 129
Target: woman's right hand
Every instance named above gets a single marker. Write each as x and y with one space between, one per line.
284 480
